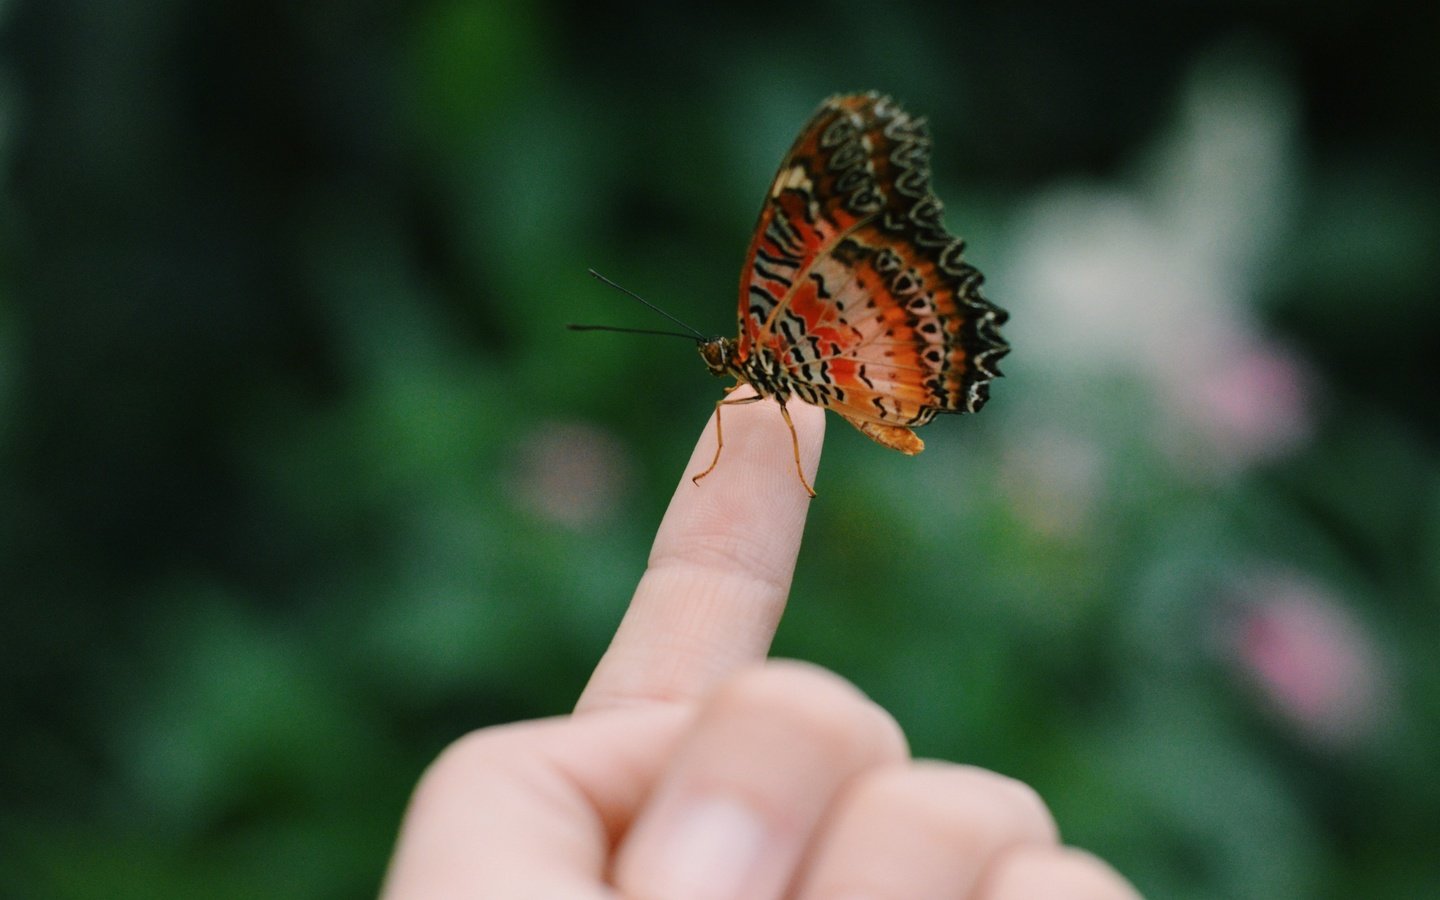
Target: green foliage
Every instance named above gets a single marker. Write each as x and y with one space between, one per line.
303 477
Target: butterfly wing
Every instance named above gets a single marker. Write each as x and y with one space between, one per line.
852 283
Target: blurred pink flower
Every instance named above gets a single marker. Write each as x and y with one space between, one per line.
1313 661
1251 405
571 473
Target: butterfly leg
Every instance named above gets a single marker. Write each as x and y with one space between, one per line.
720 432
795 444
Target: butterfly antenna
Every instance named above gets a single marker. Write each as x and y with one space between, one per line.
679 334
629 293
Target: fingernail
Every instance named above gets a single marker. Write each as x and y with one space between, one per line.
711 852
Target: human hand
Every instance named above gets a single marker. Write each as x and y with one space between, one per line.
692 769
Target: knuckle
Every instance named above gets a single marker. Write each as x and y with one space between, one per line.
714 549
1045 871
1024 805
463 755
463 766
964 803
816 704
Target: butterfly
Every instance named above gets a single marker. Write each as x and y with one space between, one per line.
853 295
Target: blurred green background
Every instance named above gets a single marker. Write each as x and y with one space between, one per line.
303 478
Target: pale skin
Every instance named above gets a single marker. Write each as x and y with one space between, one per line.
720 438
693 768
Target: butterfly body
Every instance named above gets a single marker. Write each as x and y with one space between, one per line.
853 295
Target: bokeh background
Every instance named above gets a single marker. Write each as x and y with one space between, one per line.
303 478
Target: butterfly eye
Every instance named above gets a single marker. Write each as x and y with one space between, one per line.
716 355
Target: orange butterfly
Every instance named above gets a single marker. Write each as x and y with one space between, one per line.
853 296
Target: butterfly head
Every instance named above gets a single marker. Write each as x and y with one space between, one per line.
719 355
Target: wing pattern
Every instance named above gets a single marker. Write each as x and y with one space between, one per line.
853 296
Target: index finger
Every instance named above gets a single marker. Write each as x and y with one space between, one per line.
721 564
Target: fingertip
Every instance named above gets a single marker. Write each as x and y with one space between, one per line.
828 703
747 513
757 452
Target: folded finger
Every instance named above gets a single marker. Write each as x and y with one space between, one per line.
1031 872
925 831
732 817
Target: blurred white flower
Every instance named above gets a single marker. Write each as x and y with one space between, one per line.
571 473
1154 283
1315 663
